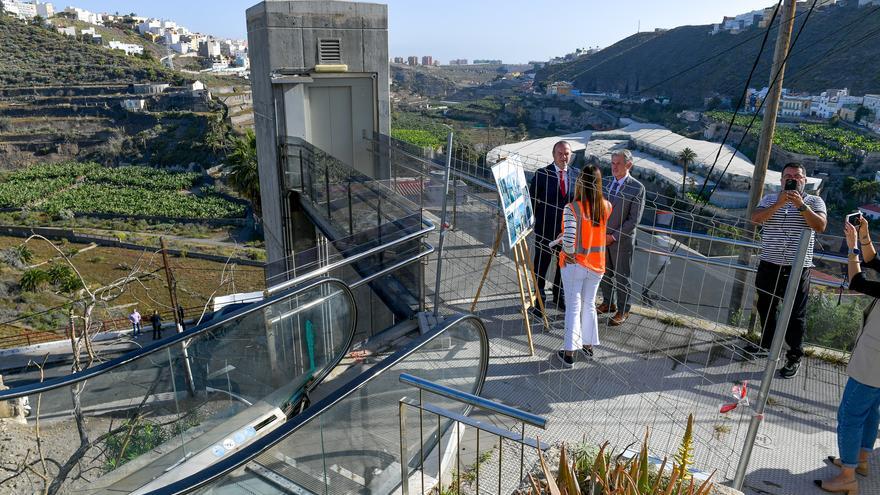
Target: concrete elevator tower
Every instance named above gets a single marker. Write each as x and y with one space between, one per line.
319 73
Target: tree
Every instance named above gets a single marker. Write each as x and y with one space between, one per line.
686 157
244 175
865 190
861 113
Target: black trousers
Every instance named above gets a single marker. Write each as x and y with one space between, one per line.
543 257
770 282
157 332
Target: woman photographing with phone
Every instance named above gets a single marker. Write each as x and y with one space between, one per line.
858 416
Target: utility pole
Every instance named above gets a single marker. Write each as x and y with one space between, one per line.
768 128
172 292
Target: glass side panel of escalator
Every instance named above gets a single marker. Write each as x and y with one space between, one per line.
354 446
169 413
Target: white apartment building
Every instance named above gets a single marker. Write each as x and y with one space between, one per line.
872 102
128 48
22 10
144 27
45 10
795 106
171 37
84 15
181 47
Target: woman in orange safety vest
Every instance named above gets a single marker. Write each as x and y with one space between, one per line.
582 264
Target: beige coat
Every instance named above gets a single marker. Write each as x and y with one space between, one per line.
864 364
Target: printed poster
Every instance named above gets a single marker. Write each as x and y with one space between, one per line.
514 191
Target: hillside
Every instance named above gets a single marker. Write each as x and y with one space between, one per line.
37 56
839 47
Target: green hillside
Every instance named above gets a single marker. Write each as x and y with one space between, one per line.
32 55
839 47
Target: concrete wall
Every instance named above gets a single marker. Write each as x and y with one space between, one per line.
282 38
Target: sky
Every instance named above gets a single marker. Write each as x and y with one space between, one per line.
512 30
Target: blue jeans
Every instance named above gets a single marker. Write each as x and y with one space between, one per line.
857 420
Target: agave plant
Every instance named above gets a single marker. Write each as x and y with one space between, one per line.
619 476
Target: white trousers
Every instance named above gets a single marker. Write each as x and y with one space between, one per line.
581 322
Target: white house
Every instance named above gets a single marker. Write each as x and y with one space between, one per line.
45 10
128 48
181 47
134 105
145 26
84 15
22 10
67 31
171 37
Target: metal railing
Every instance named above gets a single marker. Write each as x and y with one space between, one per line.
471 400
176 340
349 390
684 321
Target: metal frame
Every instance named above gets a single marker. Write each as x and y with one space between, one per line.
240 458
469 400
49 385
351 259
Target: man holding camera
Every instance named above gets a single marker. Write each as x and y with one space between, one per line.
783 216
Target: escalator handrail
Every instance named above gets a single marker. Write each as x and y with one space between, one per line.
429 227
73 378
260 445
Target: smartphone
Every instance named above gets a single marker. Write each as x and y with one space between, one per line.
855 219
791 185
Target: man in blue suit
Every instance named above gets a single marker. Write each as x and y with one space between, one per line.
551 188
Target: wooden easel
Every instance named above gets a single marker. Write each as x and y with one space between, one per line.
526 280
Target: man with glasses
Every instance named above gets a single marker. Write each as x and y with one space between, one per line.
783 216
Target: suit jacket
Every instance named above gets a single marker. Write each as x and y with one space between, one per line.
548 201
627 207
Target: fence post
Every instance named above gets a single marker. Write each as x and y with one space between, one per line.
773 359
442 225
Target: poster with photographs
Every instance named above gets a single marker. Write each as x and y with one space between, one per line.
515 200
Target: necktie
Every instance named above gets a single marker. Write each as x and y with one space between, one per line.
615 188
562 182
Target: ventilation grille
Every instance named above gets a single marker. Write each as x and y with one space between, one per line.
329 51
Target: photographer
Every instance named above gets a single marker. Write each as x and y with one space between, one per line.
783 216
858 416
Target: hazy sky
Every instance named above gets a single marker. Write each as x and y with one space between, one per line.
511 30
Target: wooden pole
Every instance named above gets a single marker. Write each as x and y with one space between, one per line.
495 246
762 159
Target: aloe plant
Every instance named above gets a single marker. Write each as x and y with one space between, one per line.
620 476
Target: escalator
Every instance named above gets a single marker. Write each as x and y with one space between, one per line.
349 441
174 408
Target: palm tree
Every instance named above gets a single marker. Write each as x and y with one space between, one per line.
244 175
686 157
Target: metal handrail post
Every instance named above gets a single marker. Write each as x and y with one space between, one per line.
442 225
791 288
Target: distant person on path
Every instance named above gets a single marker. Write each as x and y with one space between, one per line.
135 319
627 197
783 216
582 264
550 189
156 320
180 317
858 416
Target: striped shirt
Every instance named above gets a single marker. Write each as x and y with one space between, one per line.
569 226
781 232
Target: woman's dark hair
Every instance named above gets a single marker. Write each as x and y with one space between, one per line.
588 189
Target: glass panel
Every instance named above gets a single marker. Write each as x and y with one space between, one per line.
228 386
354 447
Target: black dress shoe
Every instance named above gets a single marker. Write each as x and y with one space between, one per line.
536 312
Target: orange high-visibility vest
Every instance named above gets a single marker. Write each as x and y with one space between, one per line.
589 247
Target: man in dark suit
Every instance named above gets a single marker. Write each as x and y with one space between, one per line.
551 188
627 196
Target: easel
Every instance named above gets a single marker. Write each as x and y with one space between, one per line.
525 277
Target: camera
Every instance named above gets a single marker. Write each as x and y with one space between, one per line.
854 219
791 185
